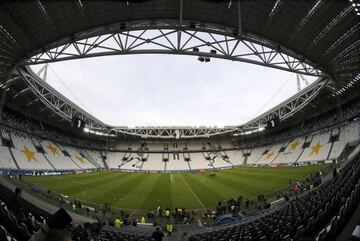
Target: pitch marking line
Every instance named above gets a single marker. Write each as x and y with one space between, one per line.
172 179
193 192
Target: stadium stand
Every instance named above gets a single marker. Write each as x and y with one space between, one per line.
270 155
320 213
57 157
97 157
236 157
24 151
177 162
7 161
155 162
255 155
292 151
321 139
19 223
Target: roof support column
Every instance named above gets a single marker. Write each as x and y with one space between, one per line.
239 17
180 24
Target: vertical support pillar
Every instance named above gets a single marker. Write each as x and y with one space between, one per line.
239 17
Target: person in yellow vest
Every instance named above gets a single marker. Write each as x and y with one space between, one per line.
167 213
118 223
169 228
142 219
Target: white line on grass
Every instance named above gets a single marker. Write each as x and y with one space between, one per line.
172 178
193 192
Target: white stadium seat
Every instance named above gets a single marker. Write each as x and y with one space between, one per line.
318 150
6 160
256 154
291 153
177 164
154 162
270 156
28 160
57 158
236 157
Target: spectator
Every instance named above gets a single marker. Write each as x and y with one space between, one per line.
17 204
58 235
169 228
157 234
118 222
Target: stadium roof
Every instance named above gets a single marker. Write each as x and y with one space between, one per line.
322 34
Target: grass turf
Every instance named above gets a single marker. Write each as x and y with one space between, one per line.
145 191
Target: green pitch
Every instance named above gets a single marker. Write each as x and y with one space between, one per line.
143 191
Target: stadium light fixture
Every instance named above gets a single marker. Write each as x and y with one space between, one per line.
261 128
98 133
230 3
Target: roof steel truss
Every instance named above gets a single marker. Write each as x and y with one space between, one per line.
174 132
66 110
55 101
290 106
168 37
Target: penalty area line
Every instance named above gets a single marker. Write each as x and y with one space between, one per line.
196 196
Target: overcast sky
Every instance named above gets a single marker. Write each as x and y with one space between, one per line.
167 90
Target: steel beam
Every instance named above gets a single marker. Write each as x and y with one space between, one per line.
170 37
53 100
289 107
175 37
174 132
